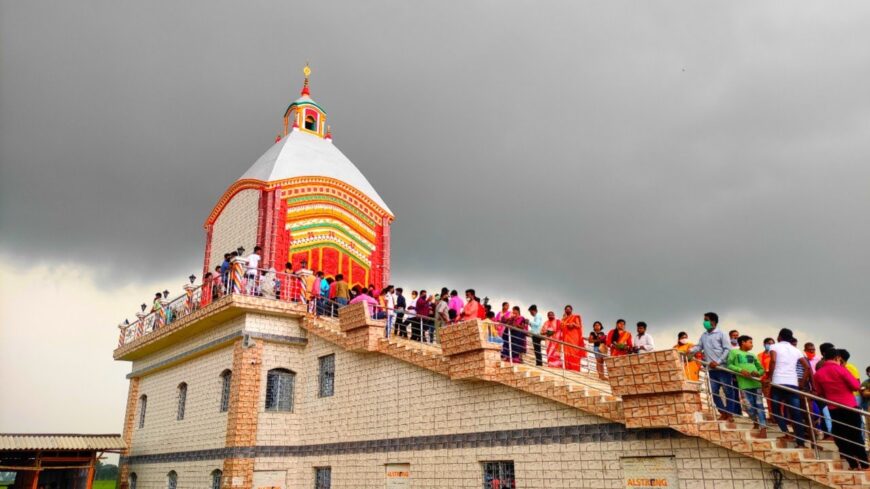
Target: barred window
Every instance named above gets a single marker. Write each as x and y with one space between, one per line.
143 406
327 376
226 380
322 477
133 480
182 401
499 475
279 390
171 480
216 476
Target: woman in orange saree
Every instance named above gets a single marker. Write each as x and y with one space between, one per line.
683 346
552 329
572 333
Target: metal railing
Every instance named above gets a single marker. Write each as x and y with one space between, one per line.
260 283
571 362
812 419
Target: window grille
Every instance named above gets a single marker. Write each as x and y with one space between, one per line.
499 475
143 406
327 376
279 390
216 476
133 480
226 380
182 401
171 480
322 477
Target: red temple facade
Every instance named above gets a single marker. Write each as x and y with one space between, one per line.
304 200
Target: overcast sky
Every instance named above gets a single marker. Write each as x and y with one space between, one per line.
644 160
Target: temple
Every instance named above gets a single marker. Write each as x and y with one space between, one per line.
303 200
241 383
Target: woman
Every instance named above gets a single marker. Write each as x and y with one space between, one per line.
572 333
552 329
683 346
205 293
598 338
514 337
619 340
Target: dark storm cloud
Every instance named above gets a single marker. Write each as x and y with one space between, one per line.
649 160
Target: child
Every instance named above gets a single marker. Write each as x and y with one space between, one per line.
743 362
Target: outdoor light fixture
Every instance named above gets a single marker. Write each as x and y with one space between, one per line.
241 250
165 294
126 321
143 306
192 278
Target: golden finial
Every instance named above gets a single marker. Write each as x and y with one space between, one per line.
307 72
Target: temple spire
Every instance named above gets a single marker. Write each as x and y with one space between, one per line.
307 72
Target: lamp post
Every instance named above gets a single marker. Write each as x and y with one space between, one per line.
192 278
240 250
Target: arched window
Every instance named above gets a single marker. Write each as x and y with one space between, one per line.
182 400
133 480
226 380
279 390
171 480
143 406
311 123
216 476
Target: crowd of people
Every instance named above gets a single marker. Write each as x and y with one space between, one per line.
811 396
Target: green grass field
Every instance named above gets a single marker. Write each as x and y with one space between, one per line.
104 484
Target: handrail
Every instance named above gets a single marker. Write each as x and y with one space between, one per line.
784 388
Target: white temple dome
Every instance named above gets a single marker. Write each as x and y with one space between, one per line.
302 154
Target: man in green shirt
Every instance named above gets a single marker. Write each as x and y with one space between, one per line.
742 361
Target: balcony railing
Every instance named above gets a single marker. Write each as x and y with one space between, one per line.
239 280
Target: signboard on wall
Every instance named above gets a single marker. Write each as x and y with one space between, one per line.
649 472
398 476
269 479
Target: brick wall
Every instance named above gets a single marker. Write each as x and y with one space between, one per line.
236 225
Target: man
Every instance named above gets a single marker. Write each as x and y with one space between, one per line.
836 384
456 303
225 269
364 296
715 347
400 328
536 321
252 274
764 358
810 353
865 397
733 336
421 326
643 343
390 304
742 361
470 309
342 291
442 314
784 359
619 340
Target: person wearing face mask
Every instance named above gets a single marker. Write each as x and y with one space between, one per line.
692 366
733 335
715 347
810 352
764 358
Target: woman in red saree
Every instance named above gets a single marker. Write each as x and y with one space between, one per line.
572 333
552 329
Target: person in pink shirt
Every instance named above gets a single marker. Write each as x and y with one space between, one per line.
456 303
365 297
503 316
836 384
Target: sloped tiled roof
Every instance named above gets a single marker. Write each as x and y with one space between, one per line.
39 441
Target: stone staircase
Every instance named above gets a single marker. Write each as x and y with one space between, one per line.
643 391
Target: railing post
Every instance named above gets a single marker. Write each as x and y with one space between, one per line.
469 350
140 329
655 391
363 332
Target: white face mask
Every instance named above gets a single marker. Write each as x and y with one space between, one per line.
683 341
